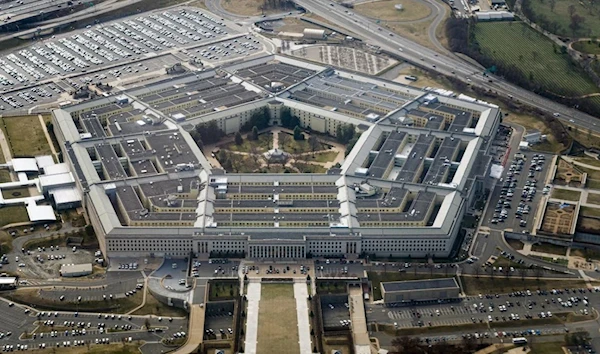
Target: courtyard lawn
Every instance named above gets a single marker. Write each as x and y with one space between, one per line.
33 143
277 320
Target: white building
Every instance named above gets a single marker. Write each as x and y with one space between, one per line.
421 177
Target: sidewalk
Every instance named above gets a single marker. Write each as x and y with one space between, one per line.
301 296
253 296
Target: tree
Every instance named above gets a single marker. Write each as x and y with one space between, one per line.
298 133
255 133
287 119
238 139
314 144
571 10
284 140
552 5
576 23
407 345
147 323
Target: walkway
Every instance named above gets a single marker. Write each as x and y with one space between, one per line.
360 335
301 296
253 296
195 331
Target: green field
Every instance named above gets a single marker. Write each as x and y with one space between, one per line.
13 214
588 47
514 43
32 144
561 16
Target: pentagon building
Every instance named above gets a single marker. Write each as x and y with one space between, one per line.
402 190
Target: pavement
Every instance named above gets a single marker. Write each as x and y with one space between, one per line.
253 296
301 296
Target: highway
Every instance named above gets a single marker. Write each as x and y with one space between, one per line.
443 64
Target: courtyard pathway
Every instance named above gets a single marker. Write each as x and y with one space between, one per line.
301 296
253 296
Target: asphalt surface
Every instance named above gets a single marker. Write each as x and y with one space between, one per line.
17 321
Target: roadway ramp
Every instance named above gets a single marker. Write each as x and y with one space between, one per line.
195 331
360 335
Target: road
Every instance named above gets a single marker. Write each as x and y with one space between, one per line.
443 64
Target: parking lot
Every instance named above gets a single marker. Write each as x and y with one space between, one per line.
518 193
335 311
107 44
489 308
44 263
226 50
115 287
60 329
218 321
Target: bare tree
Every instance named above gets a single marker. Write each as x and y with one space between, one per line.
314 144
284 139
522 272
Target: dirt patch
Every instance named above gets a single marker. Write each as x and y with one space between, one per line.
385 10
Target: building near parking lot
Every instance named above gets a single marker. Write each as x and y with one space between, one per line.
401 191
445 289
8 283
75 270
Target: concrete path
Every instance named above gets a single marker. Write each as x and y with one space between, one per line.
301 296
253 296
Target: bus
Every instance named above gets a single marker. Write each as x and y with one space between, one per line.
519 340
411 78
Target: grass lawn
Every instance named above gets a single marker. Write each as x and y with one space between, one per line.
514 43
309 168
278 322
546 348
424 79
5 242
19 192
32 297
415 31
377 278
588 161
33 144
248 7
549 248
223 290
515 244
113 348
561 15
565 194
534 123
157 308
587 47
593 198
297 146
5 176
501 284
585 253
321 157
264 143
591 212
384 10
13 214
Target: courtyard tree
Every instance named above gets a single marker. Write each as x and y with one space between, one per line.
314 144
284 140
298 133
238 139
287 119
255 133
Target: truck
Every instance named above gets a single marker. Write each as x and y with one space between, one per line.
519 340
366 296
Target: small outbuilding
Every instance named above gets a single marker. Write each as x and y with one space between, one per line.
310 33
427 290
7 283
75 270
